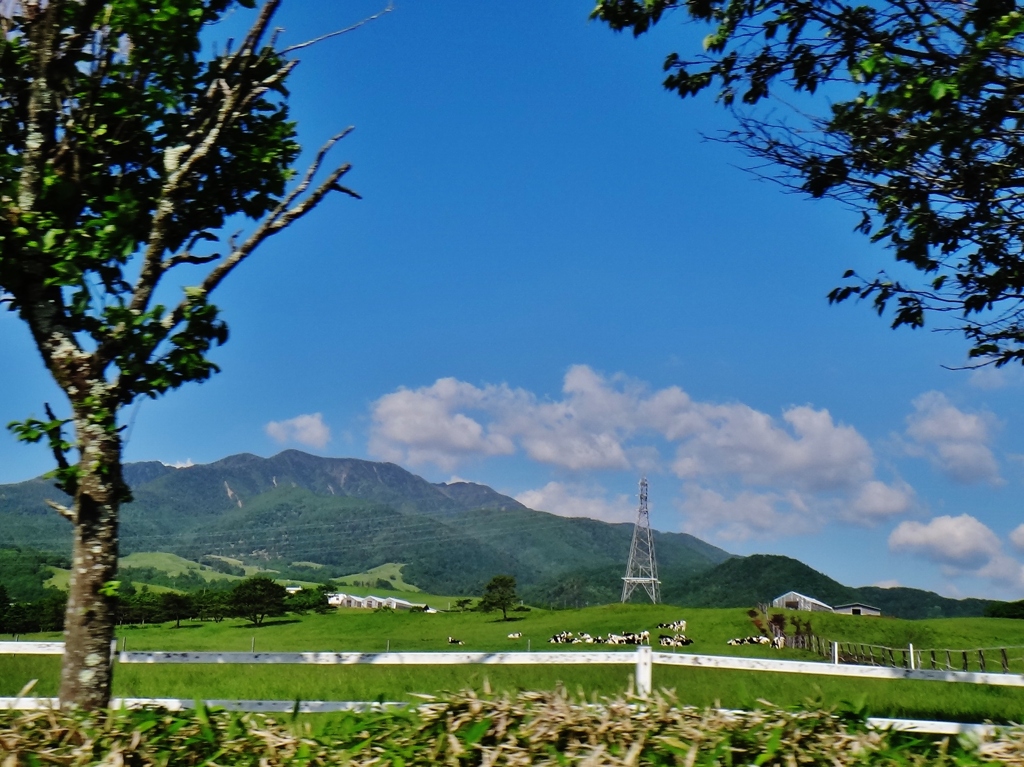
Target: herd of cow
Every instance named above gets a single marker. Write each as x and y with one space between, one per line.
777 643
678 639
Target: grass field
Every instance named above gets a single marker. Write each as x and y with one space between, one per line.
358 630
390 571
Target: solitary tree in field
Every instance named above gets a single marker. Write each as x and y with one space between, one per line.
258 598
909 111
126 147
499 594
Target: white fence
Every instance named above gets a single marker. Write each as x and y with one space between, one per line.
642 658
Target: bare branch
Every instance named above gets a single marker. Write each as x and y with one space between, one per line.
287 212
388 9
187 258
63 510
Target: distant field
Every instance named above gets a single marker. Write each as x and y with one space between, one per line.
249 569
369 631
172 565
391 572
60 578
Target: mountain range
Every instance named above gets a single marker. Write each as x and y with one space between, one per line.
349 515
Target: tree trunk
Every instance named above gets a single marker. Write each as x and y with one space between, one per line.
92 607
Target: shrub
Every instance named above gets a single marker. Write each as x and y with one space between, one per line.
467 729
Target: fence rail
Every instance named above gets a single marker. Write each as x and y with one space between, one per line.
643 658
1005 660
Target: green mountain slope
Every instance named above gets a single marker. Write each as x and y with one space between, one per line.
747 581
350 516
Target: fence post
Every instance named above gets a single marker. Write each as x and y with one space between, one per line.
911 656
981 660
835 653
644 665
1006 662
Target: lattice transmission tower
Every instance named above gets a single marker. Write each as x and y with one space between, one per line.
642 568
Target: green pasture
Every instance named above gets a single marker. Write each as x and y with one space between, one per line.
391 571
368 631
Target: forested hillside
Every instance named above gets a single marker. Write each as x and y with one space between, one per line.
350 516
746 581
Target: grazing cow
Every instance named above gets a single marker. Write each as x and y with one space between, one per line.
679 626
562 637
779 642
749 640
453 640
678 640
516 635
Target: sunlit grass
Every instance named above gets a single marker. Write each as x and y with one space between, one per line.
366 631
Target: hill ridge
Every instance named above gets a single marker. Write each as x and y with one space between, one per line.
348 514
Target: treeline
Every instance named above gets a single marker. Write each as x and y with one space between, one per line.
32 616
190 580
24 571
254 599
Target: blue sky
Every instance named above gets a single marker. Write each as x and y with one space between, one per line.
554 285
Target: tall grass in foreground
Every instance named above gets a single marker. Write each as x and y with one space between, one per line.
464 729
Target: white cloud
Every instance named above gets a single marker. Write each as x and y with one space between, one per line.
877 501
962 546
990 378
803 462
180 464
309 430
419 426
957 443
962 542
813 453
570 500
1017 537
889 584
745 515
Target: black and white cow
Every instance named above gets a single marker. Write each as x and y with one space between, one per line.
749 640
676 640
679 626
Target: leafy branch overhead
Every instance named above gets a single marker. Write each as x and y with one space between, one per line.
127 146
915 121
126 154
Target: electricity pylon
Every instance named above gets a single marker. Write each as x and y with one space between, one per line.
642 568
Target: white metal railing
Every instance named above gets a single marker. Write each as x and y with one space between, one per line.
643 658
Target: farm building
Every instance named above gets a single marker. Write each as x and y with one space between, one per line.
370 602
857 608
794 600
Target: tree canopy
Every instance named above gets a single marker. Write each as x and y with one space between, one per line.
258 598
127 146
909 111
499 594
